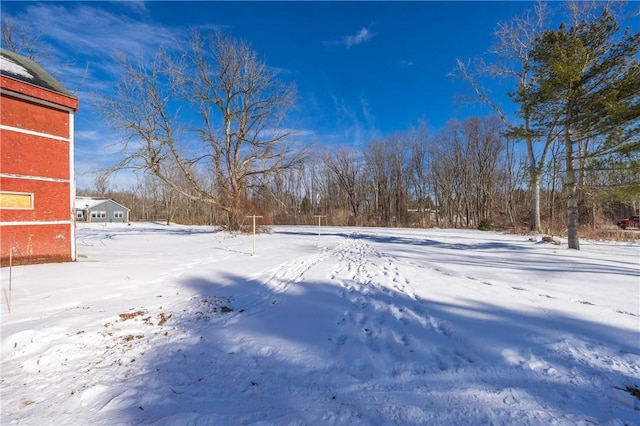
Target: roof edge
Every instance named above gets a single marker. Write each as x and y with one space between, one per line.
41 77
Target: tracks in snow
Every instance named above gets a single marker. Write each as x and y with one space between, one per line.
262 291
385 322
381 319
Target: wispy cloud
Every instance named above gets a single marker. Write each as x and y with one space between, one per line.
352 127
83 29
367 113
134 5
82 39
88 135
364 35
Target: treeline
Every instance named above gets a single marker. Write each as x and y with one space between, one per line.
467 175
204 126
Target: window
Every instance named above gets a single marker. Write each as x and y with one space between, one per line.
118 214
16 200
79 214
98 214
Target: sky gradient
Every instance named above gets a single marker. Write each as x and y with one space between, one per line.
363 69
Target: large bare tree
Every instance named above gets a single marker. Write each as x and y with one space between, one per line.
206 118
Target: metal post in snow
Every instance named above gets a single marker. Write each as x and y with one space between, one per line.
254 234
319 219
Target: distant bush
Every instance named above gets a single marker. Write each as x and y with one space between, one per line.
484 225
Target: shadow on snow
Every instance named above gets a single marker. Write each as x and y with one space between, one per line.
316 352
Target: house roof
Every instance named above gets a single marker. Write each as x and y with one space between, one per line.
26 70
82 203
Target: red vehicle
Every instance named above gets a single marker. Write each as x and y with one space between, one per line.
633 221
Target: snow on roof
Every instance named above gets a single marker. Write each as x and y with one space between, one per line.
26 70
11 67
82 203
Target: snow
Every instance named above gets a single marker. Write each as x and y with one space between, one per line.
13 68
174 325
81 203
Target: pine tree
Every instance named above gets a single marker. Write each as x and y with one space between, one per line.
587 82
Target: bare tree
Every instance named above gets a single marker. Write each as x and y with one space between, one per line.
213 112
376 156
101 184
486 148
514 43
17 39
467 170
419 164
398 161
343 165
445 173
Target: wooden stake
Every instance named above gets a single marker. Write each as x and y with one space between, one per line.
319 219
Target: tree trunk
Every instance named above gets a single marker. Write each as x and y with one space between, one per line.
572 201
535 224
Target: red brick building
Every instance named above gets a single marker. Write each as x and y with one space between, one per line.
37 182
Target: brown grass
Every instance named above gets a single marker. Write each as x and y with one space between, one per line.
163 319
130 315
611 234
599 234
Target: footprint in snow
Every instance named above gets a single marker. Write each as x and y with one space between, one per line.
340 340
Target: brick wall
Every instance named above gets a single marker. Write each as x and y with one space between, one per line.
36 143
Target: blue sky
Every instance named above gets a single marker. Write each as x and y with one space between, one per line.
363 69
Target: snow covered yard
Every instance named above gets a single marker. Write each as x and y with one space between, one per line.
181 325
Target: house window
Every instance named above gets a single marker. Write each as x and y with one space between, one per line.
118 214
16 200
98 214
79 214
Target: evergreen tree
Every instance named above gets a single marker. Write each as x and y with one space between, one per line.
587 83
